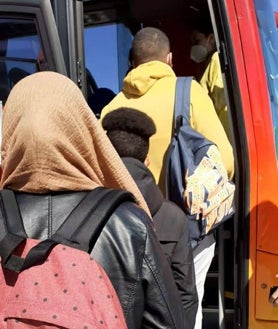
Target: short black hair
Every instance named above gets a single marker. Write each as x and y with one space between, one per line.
149 44
129 131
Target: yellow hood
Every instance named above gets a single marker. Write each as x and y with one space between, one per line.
141 79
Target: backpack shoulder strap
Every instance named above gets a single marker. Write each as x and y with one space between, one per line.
13 232
83 226
182 98
80 230
181 116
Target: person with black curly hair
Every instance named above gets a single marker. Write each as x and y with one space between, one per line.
129 131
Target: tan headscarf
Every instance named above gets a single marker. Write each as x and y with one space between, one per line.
53 142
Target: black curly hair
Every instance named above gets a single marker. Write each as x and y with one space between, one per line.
129 131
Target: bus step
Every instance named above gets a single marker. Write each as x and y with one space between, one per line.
211 318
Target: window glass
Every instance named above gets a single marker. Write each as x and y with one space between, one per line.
27 47
266 14
20 52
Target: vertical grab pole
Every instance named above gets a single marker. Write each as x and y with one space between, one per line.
221 289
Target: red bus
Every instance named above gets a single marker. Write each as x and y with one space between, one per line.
71 37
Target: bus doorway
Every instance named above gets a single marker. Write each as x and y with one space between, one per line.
61 35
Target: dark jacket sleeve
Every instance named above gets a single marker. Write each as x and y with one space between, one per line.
172 230
163 305
130 253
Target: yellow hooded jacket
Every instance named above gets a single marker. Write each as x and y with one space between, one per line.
150 88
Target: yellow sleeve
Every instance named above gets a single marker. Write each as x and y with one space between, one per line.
105 111
118 101
212 81
204 119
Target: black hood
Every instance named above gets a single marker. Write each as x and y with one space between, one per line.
146 183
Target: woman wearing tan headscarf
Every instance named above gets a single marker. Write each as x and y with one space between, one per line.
52 142
54 151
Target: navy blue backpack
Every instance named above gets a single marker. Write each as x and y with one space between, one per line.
196 178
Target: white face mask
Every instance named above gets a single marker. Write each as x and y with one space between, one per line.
198 53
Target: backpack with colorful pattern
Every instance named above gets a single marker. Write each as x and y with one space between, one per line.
196 178
55 283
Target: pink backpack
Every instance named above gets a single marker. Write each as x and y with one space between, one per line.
55 283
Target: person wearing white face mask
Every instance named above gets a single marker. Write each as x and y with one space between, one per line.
204 50
201 51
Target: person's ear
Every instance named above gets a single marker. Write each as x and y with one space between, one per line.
147 161
169 59
211 41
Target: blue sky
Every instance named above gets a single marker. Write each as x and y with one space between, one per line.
105 61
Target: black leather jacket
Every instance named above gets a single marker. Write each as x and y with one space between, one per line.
129 252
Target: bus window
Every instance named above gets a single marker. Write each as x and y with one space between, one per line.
19 51
269 38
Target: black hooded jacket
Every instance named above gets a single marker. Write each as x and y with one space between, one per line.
171 227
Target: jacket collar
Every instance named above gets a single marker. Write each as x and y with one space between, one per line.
146 183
